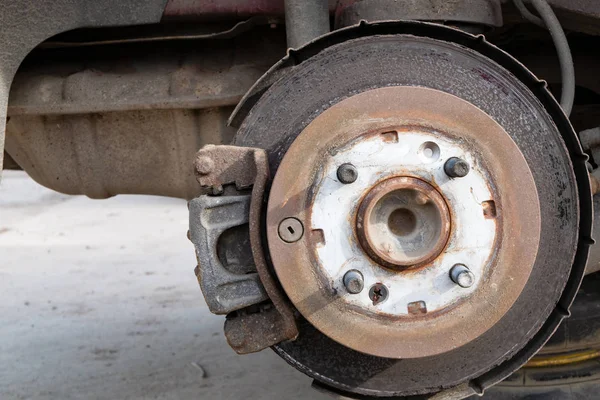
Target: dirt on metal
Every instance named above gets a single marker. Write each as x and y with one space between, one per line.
249 331
366 231
423 333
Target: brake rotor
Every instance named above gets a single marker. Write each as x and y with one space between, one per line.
393 110
404 211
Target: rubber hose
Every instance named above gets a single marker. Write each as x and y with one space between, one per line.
559 38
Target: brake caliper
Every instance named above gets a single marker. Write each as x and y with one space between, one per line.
225 228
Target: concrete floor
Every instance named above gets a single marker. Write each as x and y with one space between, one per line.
99 301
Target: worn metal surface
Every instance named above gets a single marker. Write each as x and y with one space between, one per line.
571 344
409 223
305 20
590 141
280 110
245 168
129 119
24 25
226 285
593 264
328 210
217 166
179 75
485 12
249 331
403 222
105 154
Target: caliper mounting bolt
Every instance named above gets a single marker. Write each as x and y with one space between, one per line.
354 281
290 230
462 276
347 173
456 167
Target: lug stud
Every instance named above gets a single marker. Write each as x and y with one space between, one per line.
462 276
353 281
456 167
347 173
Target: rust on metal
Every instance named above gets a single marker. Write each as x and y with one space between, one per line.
217 166
424 195
417 307
250 332
511 186
489 208
107 128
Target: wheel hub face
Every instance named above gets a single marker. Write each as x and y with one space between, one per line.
403 223
409 212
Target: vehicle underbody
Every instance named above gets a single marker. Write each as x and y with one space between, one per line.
396 196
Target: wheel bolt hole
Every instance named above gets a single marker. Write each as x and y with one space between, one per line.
429 152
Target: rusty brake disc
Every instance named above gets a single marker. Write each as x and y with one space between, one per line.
385 133
456 316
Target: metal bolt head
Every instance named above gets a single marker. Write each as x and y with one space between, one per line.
456 167
462 276
290 230
347 173
378 293
354 281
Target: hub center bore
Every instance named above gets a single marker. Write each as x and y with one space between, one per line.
403 222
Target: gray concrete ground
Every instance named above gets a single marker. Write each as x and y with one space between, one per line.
99 301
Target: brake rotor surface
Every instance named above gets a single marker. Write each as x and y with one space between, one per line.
398 107
398 139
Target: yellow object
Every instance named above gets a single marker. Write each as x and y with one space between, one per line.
562 359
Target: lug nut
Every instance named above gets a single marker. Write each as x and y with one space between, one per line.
347 173
456 167
353 281
290 230
462 276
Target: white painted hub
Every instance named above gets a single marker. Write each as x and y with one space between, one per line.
421 155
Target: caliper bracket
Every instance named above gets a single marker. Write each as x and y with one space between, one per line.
258 313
